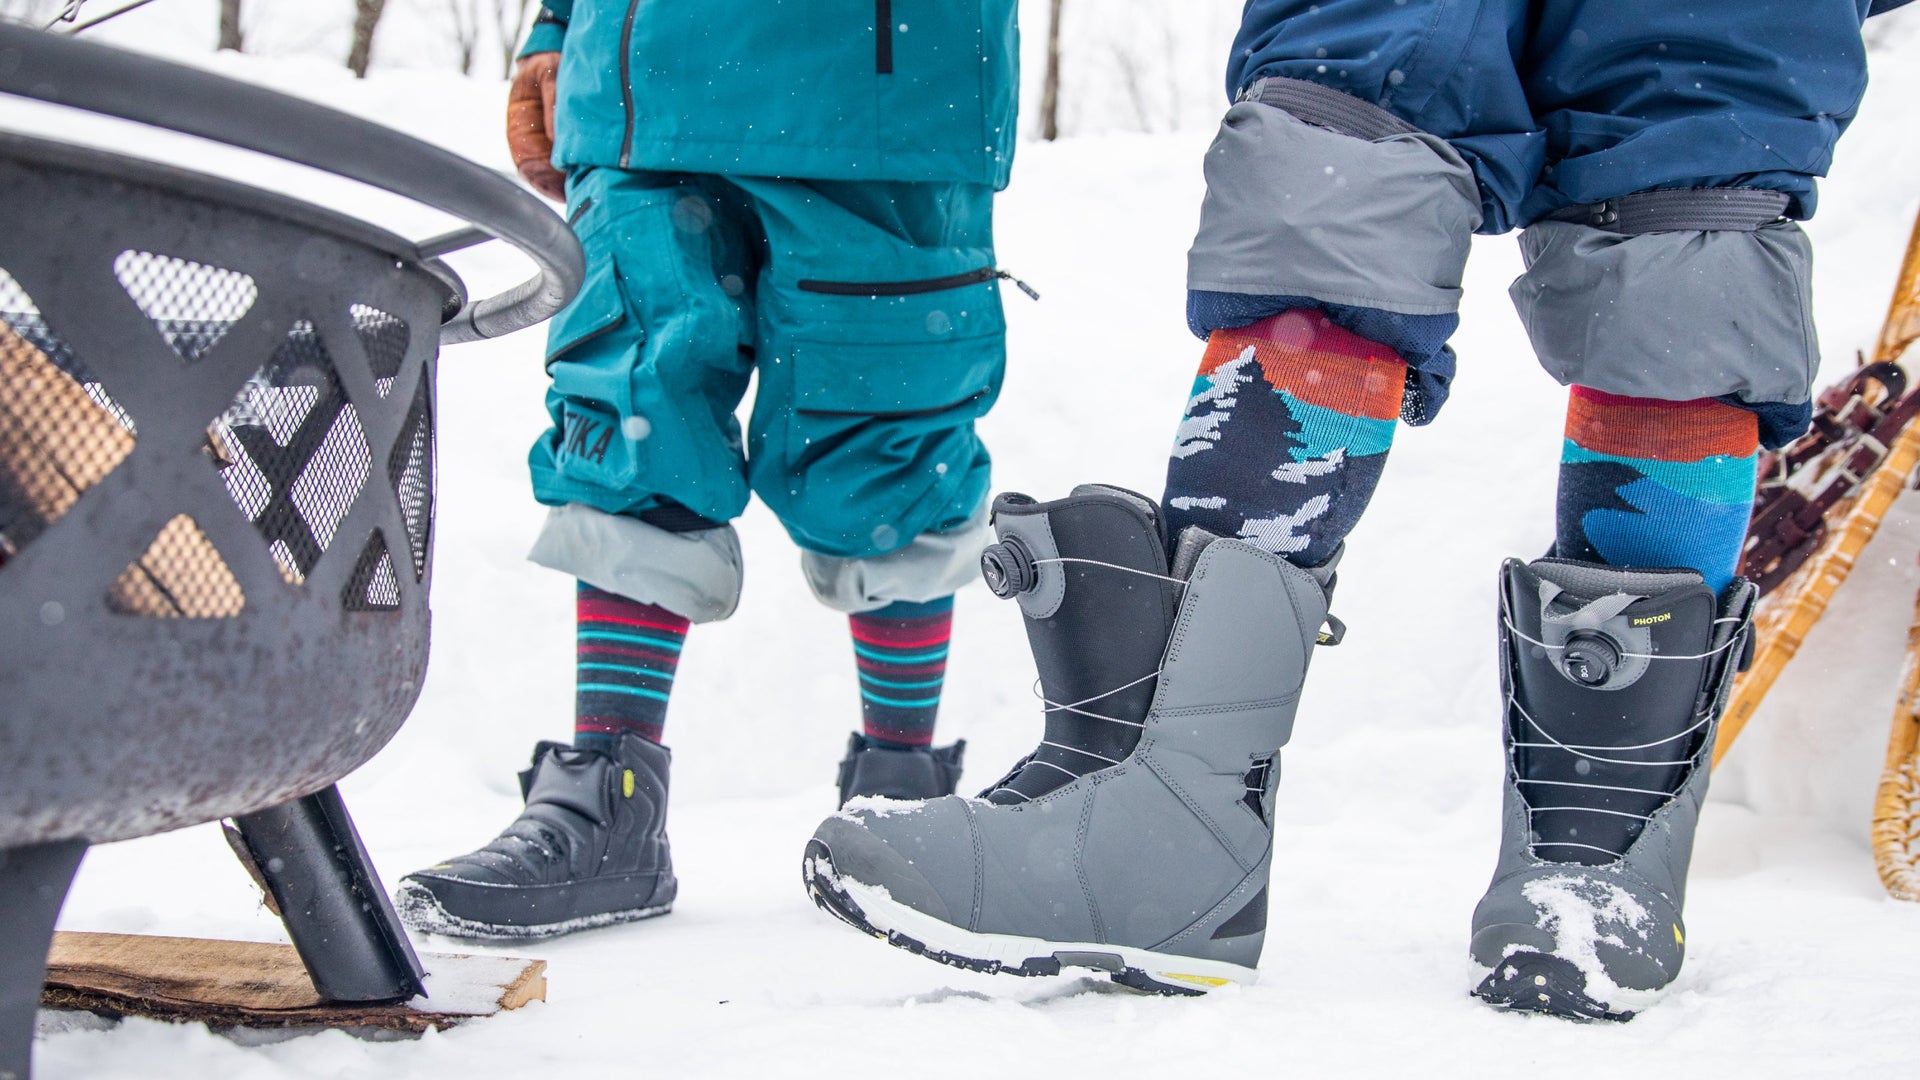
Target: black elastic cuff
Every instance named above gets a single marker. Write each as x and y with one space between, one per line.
674 518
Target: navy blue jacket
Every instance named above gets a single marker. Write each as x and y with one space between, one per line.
1563 102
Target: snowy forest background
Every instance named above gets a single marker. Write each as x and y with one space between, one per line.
1148 66
1126 65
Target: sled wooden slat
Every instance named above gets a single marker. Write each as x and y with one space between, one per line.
1792 610
1788 612
1902 327
253 984
1896 806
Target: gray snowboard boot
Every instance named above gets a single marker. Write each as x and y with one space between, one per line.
1136 838
1614 682
590 849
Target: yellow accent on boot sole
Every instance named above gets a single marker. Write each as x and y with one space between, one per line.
1197 980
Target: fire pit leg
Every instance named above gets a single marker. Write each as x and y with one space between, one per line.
328 894
33 885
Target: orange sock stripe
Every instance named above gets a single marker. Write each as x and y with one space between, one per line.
1661 430
1309 357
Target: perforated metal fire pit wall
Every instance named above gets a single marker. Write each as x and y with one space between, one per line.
216 492
216 447
216 488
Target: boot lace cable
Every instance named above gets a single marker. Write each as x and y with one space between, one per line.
1112 566
1723 647
1572 844
1054 706
1576 749
1075 707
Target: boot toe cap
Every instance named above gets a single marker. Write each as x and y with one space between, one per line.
1621 933
915 854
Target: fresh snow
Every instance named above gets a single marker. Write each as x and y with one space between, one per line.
1798 963
1583 912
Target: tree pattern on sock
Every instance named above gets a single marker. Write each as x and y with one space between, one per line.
1285 435
1656 483
627 654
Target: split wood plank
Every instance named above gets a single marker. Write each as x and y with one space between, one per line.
255 984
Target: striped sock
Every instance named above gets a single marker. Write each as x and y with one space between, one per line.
1656 483
1285 435
627 655
901 651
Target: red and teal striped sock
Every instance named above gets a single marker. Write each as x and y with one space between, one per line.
628 652
901 651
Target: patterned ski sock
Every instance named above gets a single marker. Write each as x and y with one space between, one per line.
901 651
1285 435
1656 483
627 655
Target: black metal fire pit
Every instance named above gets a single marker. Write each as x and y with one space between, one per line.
216 492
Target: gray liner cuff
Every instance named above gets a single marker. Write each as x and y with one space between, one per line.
695 575
1298 209
1672 315
933 566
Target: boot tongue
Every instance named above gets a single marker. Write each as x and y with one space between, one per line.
1608 665
1099 648
575 779
1145 505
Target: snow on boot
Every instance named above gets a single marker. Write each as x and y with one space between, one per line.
1614 681
1136 839
590 849
873 769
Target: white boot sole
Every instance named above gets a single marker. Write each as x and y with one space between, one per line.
877 913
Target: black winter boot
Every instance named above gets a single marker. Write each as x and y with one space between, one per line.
590 849
873 768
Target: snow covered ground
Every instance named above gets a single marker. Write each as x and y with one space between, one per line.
1799 965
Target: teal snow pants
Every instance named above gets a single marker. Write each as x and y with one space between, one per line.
869 312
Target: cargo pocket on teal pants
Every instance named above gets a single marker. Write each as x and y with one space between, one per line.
592 348
864 434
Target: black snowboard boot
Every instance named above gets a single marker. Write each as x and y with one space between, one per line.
590 849
1098 624
1614 680
875 769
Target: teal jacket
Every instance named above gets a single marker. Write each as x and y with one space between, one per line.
921 90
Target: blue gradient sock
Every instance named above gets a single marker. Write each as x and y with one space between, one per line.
1650 483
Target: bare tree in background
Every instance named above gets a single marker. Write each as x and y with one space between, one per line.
509 23
1050 88
465 15
366 19
230 37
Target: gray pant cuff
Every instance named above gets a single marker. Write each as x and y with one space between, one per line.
1298 209
1672 315
934 565
695 575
